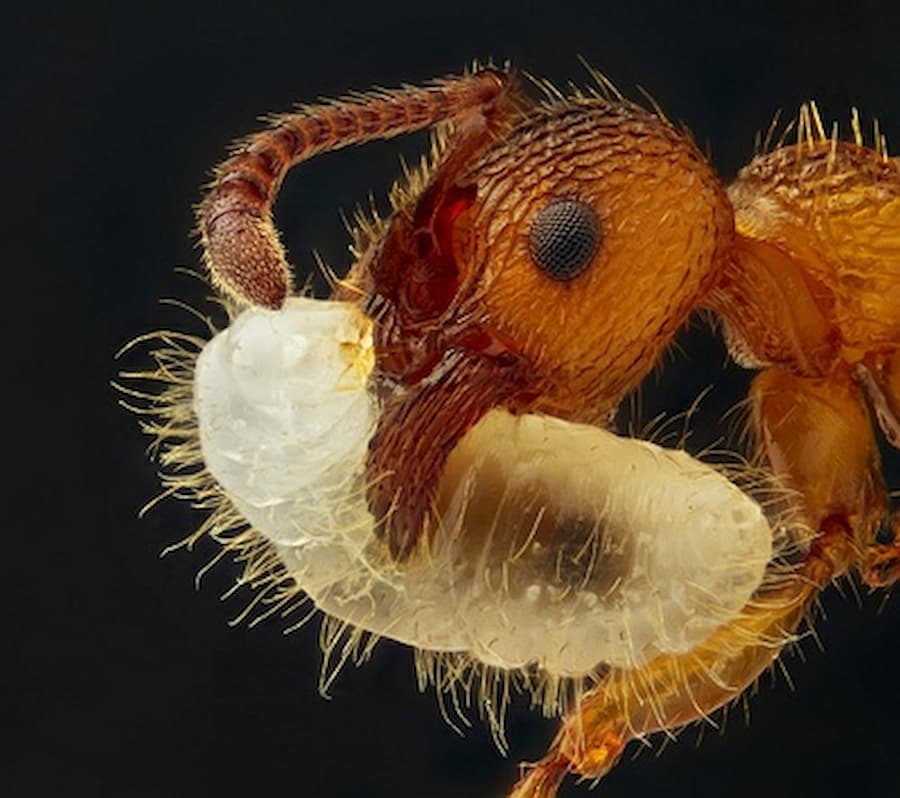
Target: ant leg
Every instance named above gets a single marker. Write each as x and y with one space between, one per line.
241 246
674 690
818 437
880 375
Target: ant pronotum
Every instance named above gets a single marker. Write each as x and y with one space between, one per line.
531 274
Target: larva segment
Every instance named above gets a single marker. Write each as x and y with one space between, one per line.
241 246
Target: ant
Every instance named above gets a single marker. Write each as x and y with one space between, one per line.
541 262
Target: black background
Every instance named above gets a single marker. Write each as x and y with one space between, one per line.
128 681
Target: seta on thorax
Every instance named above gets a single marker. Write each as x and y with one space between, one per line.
427 454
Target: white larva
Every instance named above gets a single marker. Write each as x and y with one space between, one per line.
560 545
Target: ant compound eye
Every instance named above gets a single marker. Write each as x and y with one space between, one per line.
564 236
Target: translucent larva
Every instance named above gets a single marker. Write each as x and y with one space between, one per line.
560 545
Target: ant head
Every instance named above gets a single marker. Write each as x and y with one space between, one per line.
541 268
577 243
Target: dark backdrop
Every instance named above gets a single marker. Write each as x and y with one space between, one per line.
128 681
